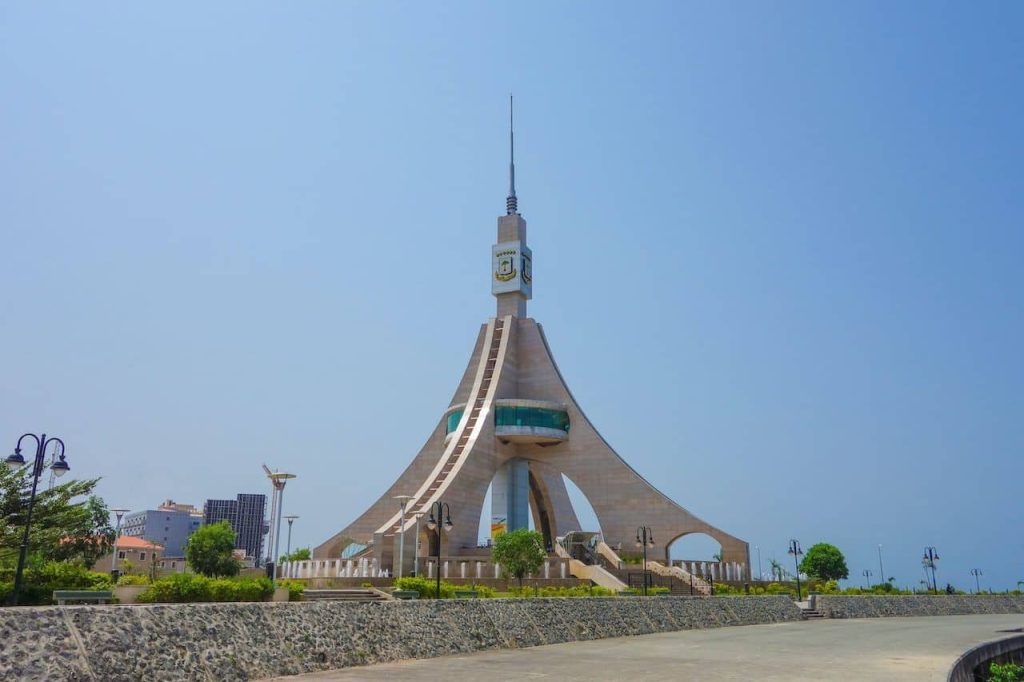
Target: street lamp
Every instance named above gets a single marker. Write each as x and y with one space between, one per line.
867 578
403 500
931 555
433 523
976 572
794 549
117 536
760 573
278 479
645 539
288 550
59 468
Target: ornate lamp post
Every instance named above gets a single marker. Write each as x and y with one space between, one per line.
59 468
435 523
931 555
976 572
403 500
867 578
119 513
794 549
645 539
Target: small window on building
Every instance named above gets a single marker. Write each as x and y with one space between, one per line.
120 555
174 564
142 556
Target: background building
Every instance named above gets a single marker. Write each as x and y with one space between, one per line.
170 525
245 513
139 554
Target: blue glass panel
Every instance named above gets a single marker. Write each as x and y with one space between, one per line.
531 416
452 421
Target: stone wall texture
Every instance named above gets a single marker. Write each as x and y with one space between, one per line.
223 642
871 606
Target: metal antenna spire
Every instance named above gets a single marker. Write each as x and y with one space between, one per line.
511 204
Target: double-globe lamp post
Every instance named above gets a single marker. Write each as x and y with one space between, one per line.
976 572
931 555
645 539
59 468
434 522
794 549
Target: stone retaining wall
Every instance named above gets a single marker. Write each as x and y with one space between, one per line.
222 642
871 606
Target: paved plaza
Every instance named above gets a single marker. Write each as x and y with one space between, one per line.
876 649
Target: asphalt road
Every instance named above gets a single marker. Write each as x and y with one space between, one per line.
871 649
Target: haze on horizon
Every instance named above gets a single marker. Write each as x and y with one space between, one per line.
776 252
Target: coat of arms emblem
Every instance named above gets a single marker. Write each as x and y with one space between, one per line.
506 266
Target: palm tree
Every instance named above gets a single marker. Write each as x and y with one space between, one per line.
776 569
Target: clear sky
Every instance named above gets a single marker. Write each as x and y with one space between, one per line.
777 251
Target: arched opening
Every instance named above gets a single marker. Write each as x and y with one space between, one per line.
581 505
695 552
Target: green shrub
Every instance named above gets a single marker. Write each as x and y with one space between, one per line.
295 588
485 592
40 579
426 587
577 591
192 587
133 580
1006 672
178 588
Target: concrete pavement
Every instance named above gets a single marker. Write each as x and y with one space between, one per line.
871 649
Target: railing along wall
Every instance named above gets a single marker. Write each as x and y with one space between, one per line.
451 567
718 570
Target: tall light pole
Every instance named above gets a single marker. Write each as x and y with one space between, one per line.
278 479
402 501
760 573
645 539
867 577
290 519
435 523
931 555
416 546
15 462
117 536
794 549
976 572
881 571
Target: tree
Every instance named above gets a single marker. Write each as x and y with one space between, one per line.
209 550
69 523
301 554
520 552
824 562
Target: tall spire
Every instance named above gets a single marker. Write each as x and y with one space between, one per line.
511 204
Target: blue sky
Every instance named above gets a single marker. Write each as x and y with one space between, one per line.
776 250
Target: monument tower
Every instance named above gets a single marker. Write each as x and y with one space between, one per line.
514 422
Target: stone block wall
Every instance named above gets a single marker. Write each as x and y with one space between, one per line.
872 606
225 642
